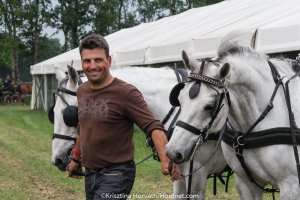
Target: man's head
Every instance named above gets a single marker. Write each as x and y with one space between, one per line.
94 41
95 60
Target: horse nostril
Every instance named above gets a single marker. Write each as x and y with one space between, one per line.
59 163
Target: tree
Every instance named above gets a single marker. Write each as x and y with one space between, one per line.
47 48
72 17
11 20
35 18
108 16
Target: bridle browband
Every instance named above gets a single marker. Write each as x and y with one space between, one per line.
206 79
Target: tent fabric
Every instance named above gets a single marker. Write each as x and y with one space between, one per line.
274 24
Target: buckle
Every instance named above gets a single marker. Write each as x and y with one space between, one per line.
236 145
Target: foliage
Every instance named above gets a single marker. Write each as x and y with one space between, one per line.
6 49
48 48
22 23
36 16
72 17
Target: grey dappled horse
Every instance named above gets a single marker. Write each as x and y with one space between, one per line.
242 86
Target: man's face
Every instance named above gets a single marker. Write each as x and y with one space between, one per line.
95 64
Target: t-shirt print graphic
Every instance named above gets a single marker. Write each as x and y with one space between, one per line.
93 107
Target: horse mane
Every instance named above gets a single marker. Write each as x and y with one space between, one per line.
295 66
232 44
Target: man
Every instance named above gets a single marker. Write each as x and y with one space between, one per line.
7 81
108 108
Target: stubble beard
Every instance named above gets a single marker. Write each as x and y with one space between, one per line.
99 79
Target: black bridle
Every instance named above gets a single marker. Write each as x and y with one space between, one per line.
62 89
199 78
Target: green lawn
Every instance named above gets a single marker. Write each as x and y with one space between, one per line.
26 171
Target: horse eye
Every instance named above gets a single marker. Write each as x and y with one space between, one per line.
208 107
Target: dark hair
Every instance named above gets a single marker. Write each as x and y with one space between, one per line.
94 41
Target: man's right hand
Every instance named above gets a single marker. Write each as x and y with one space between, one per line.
74 170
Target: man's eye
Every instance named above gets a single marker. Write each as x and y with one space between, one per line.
86 61
98 60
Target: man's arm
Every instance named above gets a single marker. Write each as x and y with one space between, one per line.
75 164
160 140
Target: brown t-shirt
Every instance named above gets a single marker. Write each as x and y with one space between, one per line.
106 122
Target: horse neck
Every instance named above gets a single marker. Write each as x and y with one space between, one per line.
251 86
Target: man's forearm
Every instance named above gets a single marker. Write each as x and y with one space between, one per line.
160 140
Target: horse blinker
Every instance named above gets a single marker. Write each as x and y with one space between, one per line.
173 98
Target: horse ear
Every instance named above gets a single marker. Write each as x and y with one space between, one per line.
191 64
59 74
224 70
74 77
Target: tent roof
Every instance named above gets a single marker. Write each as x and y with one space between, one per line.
198 31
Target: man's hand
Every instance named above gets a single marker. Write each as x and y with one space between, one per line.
175 173
74 170
169 168
160 141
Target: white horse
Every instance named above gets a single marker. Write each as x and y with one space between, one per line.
237 86
155 84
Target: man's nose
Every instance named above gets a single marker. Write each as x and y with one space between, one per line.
93 63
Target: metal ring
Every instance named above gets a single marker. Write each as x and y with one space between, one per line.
238 141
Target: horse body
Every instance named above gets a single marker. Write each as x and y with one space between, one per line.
250 83
270 164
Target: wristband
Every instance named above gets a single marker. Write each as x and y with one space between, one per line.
75 153
76 161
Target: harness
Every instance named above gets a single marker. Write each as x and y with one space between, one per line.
280 135
239 140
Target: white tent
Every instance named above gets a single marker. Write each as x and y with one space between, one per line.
274 24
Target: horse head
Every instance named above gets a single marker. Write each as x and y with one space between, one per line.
203 106
63 114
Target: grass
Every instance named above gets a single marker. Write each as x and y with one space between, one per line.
27 173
